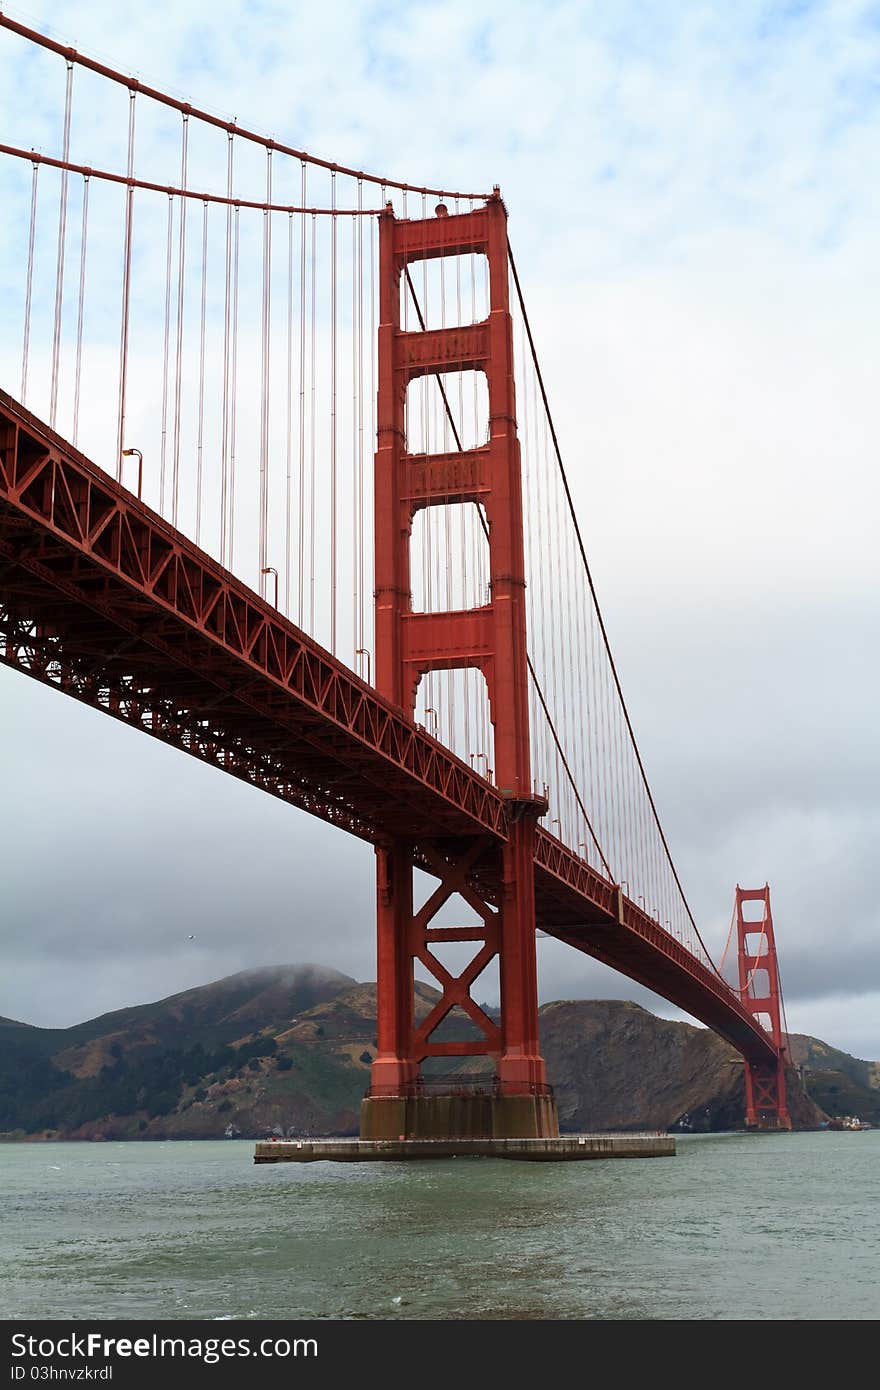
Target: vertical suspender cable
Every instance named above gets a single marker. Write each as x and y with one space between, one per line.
593 704
164 441
528 539
333 460
300 532
485 552
201 435
355 518
288 453
427 446
466 515
631 832
80 307
264 379
475 556
554 541
539 538
62 238
126 289
227 310
556 581
624 801
608 750
607 812
614 776
451 598
361 637
233 413
178 366
574 721
29 287
374 231
312 424
580 710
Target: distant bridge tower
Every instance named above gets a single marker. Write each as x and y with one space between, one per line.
761 995
491 638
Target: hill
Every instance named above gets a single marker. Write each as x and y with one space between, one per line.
288 1049
615 1066
136 1065
838 1083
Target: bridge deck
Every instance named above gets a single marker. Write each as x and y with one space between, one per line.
103 599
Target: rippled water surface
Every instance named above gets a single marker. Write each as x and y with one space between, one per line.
737 1226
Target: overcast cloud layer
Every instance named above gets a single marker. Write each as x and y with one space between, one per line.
694 205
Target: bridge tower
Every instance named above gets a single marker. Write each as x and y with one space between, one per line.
491 638
759 987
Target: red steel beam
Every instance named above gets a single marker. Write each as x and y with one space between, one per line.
74 529
621 934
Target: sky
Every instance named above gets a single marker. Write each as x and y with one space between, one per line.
693 195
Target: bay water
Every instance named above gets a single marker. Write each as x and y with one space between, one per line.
739 1226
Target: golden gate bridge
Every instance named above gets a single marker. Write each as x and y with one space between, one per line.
280 485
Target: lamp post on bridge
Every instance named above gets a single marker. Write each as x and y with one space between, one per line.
364 651
270 569
136 453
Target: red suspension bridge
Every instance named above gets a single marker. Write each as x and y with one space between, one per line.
280 486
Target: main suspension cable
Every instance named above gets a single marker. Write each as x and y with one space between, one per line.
35 157
186 109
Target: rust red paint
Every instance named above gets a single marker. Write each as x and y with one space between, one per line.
491 638
74 541
765 1080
